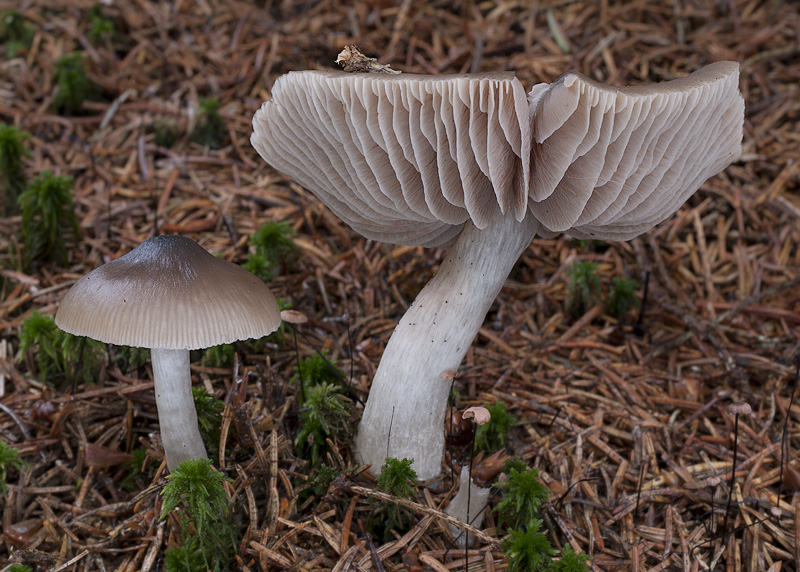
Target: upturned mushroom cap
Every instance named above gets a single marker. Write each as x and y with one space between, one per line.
403 158
169 293
612 162
409 158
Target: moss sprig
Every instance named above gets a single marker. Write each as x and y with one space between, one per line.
622 297
273 249
9 459
493 436
523 496
73 86
207 533
210 129
13 180
583 288
15 32
327 415
48 218
59 352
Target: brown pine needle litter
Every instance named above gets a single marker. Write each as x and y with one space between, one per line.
628 422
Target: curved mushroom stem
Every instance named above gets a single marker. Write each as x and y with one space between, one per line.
405 411
180 433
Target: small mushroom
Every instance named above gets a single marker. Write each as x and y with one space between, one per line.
472 162
170 295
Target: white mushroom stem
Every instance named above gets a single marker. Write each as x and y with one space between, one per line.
467 506
177 417
404 414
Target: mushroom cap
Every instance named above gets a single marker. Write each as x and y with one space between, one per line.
612 162
407 158
169 293
410 158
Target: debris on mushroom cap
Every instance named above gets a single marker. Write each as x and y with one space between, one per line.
353 60
406 159
611 163
480 415
170 293
740 408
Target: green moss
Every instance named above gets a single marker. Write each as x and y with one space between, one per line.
570 561
316 369
207 534
210 129
397 477
493 435
48 218
12 172
15 32
209 416
59 353
166 133
73 87
528 549
523 497
584 288
9 459
326 415
273 249
100 28
221 356
622 297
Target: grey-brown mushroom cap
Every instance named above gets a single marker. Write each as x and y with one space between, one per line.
169 293
610 162
406 158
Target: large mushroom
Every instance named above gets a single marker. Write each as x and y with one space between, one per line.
170 295
470 160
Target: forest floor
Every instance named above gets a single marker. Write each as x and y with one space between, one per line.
627 420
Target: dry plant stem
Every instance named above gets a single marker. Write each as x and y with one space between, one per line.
432 337
177 417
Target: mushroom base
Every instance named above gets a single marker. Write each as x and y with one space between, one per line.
404 415
180 433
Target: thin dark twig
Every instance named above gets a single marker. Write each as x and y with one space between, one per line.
785 432
299 369
733 471
389 436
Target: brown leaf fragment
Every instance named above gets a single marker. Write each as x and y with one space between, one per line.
352 60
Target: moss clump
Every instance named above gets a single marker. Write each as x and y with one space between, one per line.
9 459
210 129
48 217
73 87
15 32
493 435
583 289
12 173
326 415
59 353
273 250
207 533
622 297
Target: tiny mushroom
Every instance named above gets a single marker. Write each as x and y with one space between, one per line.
472 162
170 295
